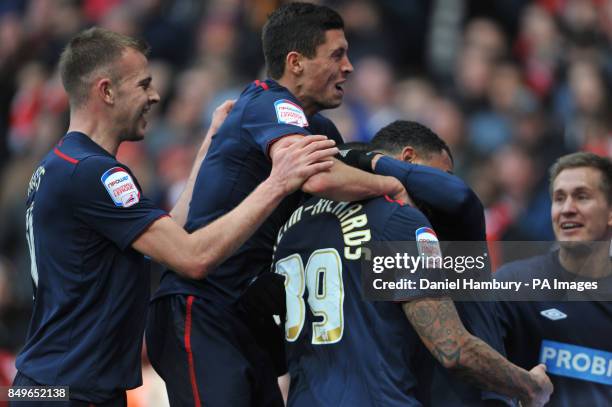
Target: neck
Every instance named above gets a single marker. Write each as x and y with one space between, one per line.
592 260
296 90
100 131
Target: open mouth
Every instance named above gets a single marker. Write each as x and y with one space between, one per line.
570 225
144 112
340 87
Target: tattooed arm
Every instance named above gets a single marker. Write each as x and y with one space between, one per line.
438 324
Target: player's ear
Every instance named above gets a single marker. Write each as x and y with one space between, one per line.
104 90
408 154
294 62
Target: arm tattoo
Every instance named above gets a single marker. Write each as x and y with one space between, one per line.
438 324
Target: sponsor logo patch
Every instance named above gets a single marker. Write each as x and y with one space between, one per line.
427 242
290 113
121 187
578 362
553 314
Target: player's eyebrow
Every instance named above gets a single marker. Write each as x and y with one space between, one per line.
582 188
571 190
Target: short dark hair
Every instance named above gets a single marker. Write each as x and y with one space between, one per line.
88 51
296 27
392 139
585 159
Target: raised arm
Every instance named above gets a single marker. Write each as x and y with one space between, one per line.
439 327
181 208
344 183
195 255
444 193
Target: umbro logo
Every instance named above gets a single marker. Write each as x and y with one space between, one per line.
553 314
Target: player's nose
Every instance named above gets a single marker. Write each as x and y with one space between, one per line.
569 206
347 67
153 95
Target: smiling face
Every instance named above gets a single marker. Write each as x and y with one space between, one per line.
323 77
580 210
134 95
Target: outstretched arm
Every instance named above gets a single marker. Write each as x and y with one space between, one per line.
444 193
344 183
195 255
439 327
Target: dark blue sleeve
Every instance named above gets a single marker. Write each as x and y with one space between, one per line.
447 195
272 115
404 225
322 125
109 200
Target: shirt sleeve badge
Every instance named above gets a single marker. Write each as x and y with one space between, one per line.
289 113
427 242
121 187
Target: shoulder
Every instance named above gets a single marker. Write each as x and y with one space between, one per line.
97 165
98 174
410 216
398 222
275 104
323 125
259 94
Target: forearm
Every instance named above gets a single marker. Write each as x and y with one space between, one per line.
438 324
197 254
441 191
214 243
484 367
345 183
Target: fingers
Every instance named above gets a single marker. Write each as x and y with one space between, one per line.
221 113
316 168
320 145
226 106
322 155
310 144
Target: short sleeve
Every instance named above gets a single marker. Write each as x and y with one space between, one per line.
108 199
409 225
273 115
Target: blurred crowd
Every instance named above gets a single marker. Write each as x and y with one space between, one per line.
510 85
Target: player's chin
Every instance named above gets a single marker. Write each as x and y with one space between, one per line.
332 103
134 135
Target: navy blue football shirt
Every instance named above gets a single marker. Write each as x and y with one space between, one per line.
456 214
341 349
573 338
236 163
91 288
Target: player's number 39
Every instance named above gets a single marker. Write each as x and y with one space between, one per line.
323 278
